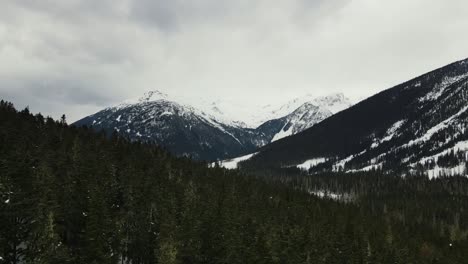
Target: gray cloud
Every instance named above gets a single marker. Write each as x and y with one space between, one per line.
78 56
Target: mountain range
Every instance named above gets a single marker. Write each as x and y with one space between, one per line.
206 130
419 126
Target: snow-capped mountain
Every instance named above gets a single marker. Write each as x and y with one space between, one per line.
332 104
306 115
184 130
420 126
207 130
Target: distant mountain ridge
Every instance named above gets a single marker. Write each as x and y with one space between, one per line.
420 126
205 130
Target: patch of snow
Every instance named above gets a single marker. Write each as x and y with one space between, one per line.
368 168
439 89
118 118
7 201
325 194
283 133
407 159
339 165
233 163
391 132
429 133
166 113
311 163
454 171
460 146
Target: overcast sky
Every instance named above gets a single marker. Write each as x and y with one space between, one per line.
78 56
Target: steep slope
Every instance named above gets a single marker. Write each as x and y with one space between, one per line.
332 103
203 130
302 118
307 113
405 127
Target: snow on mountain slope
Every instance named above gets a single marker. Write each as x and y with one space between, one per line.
301 119
204 129
420 126
311 163
333 103
248 115
233 163
204 107
308 113
184 130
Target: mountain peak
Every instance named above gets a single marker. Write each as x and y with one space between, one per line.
334 97
335 103
153 95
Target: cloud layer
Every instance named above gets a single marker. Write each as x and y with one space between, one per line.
78 56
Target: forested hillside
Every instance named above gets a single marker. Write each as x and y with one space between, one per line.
418 126
71 195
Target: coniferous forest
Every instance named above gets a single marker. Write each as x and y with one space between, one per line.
71 195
